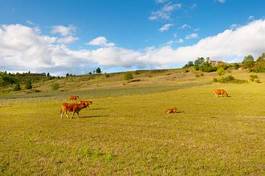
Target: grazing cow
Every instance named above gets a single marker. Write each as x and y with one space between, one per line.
221 92
86 102
72 107
73 97
171 110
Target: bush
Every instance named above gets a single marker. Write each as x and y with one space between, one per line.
197 75
17 87
220 71
7 80
248 62
55 86
253 77
257 81
107 75
259 66
28 85
128 76
228 79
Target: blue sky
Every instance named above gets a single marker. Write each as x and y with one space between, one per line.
133 33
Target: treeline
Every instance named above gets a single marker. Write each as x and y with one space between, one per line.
27 79
253 65
207 65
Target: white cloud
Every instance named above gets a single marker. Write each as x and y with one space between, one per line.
191 36
180 40
67 39
233 26
24 48
251 18
185 26
63 30
165 27
29 22
66 33
165 12
101 41
221 1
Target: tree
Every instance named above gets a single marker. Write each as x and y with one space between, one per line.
128 76
98 70
220 71
17 87
199 61
261 58
189 64
28 85
48 74
248 61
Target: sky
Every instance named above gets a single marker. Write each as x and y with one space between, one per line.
77 36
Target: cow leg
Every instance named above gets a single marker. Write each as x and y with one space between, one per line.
67 115
78 114
62 113
73 115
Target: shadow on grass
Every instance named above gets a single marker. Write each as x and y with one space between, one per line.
92 116
97 109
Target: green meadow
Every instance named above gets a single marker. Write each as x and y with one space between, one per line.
127 132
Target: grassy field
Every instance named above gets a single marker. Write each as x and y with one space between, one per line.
127 132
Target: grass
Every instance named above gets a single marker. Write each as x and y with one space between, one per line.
127 132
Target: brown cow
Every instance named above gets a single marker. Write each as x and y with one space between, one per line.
171 110
87 102
221 92
73 97
72 107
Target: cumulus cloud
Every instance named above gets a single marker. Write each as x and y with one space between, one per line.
100 41
66 33
67 39
165 12
63 30
165 27
24 48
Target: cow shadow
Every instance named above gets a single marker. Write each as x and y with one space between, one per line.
96 109
92 116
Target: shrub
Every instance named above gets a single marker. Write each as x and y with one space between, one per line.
228 79
259 66
55 86
137 72
220 71
253 77
248 62
197 75
257 81
107 75
17 87
28 85
128 76
8 80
